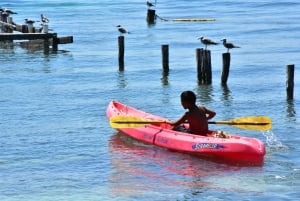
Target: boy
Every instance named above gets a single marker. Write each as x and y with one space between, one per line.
196 116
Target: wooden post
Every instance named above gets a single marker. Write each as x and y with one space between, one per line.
208 67
121 52
204 73
151 16
54 42
200 73
226 67
165 58
290 81
4 28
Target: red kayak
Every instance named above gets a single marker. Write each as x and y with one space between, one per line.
226 147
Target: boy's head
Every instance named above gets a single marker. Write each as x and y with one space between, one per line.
188 98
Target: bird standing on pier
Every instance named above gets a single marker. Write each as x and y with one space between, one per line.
149 4
8 11
207 41
30 21
228 45
44 19
122 30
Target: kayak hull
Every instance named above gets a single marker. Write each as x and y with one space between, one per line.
235 148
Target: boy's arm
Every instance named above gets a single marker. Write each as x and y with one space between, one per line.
209 113
181 120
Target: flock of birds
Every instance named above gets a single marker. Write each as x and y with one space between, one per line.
7 12
122 30
44 20
205 41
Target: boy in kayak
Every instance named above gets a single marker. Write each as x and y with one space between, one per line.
196 116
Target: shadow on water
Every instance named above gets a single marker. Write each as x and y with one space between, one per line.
134 162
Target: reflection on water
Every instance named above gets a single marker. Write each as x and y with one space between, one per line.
290 109
121 80
6 46
204 93
226 95
165 79
163 170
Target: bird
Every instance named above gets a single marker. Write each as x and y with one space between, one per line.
207 41
8 11
229 45
30 21
122 30
149 4
44 19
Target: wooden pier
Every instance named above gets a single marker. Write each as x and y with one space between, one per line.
11 31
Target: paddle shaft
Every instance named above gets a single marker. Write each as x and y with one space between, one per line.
238 123
249 123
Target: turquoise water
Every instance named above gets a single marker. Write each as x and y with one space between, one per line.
55 141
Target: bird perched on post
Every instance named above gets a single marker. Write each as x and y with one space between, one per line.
8 11
207 41
149 4
122 30
44 19
228 45
29 21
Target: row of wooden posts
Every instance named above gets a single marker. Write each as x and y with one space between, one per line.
204 73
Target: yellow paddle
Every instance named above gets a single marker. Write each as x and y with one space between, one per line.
250 122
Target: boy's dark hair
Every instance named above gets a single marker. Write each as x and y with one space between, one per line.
188 96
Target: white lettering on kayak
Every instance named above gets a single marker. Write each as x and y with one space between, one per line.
207 146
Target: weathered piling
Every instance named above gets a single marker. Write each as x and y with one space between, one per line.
165 58
121 52
290 81
226 67
6 25
203 59
55 42
151 16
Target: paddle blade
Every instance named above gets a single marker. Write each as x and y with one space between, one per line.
250 122
130 121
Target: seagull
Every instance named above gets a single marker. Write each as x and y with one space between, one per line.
122 30
8 11
149 4
29 21
228 45
207 41
44 19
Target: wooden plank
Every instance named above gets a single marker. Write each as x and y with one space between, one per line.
26 36
194 20
65 40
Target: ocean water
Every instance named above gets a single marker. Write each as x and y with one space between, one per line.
55 140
